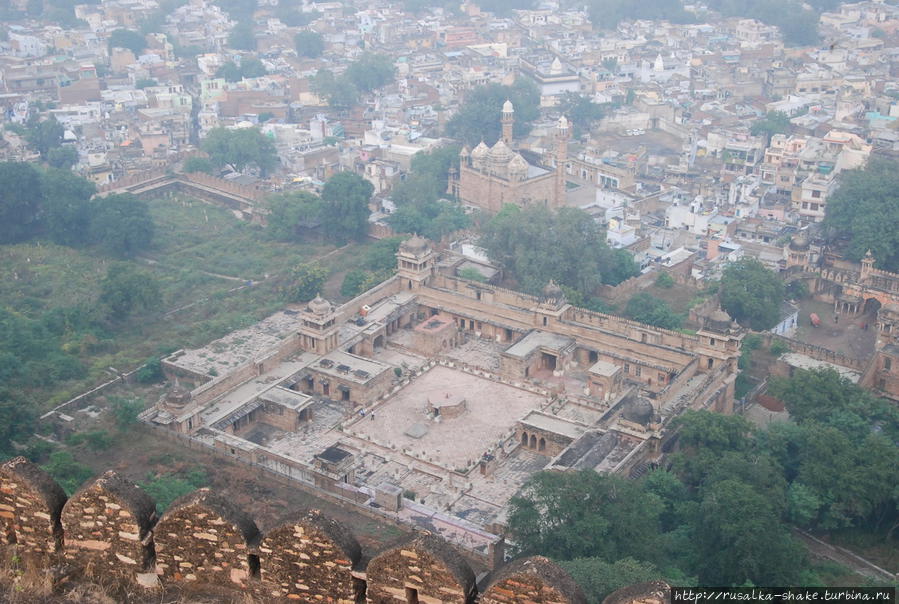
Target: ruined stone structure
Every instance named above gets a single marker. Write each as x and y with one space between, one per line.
204 539
30 505
322 548
425 569
452 390
107 526
490 177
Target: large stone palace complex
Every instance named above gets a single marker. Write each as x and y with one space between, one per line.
432 396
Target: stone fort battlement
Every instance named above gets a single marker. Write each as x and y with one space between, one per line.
111 527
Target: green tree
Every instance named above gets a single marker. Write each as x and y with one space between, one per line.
865 208
125 411
370 71
584 514
428 178
121 224
536 245
309 44
17 415
66 207
20 203
751 294
774 122
599 578
252 67
198 164
241 36
646 308
292 211
581 111
145 83
240 149
288 13
432 219
125 291
62 157
69 473
345 210
478 117
45 135
305 282
740 538
127 38
230 71
664 281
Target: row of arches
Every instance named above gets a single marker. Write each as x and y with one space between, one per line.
530 441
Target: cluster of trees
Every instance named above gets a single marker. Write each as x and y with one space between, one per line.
751 294
127 38
719 514
478 118
341 212
581 112
774 122
309 44
421 207
58 204
607 14
45 137
249 67
536 245
378 264
289 14
797 23
240 149
865 209
646 308
367 73
61 12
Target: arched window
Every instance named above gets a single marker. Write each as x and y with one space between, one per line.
533 441
542 446
524 439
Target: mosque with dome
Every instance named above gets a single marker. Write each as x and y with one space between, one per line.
490 177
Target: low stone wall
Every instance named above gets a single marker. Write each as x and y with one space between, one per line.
109 528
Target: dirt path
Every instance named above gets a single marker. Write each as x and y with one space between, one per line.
842 556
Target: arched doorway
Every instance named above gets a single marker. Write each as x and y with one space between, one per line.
379 342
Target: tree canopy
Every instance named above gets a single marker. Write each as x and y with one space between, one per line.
646 308
125 291
304 282
478 117
292 211
242 37
865 208
774 122
345 209
370 71
44 136
122 224
128 38
309 44
581 112
536 245
240 149
606 14
20 203
67 211
751 294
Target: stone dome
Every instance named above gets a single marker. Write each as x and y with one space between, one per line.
552 290
518 165
319 306
563 123
719 321
464 152
415 245
480 152
799 243
507 107
639 410
500 153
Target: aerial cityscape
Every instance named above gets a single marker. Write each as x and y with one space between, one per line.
510 301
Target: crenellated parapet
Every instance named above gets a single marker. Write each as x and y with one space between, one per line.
110 529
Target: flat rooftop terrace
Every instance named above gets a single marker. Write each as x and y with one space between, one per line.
240 346
402 422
